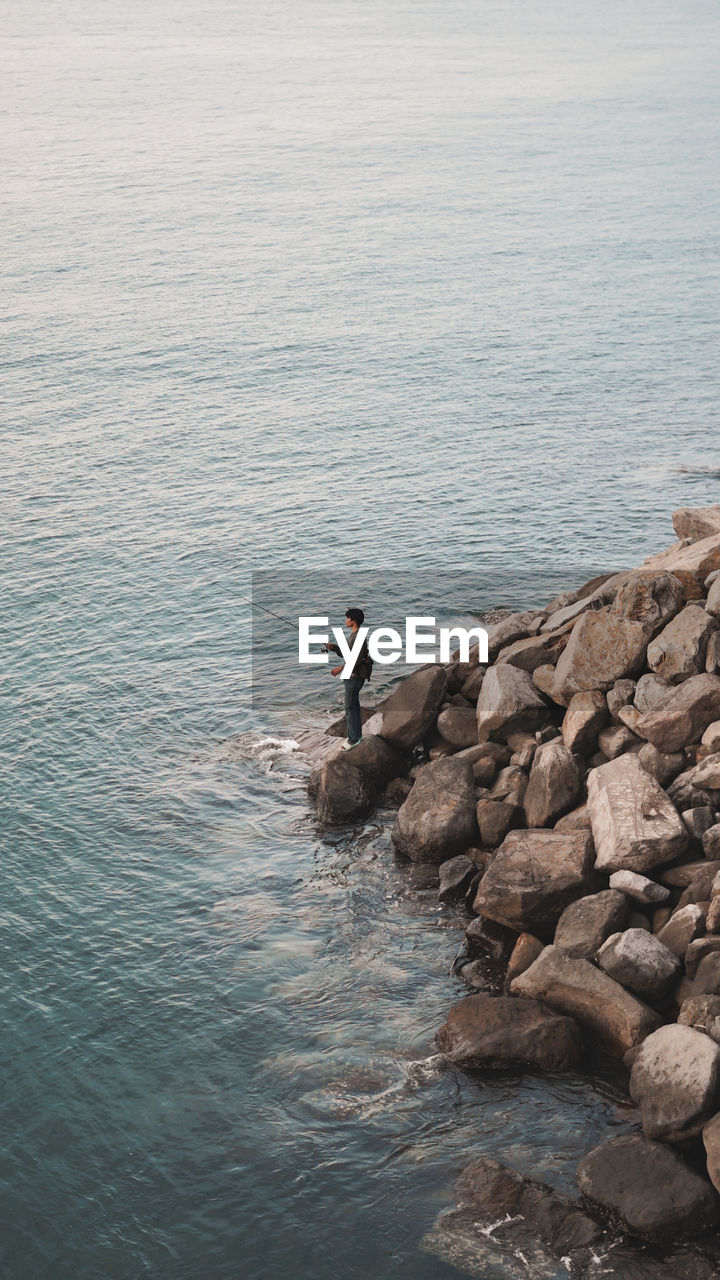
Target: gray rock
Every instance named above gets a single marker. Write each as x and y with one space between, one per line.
455 877
533 877
684 714
585 924
496 1031
492 939
638 887
622 693
698 820
683 927
603 648
674 1081
648 1188
494 819
438 818
652 599
635 826
555 784
616 740
349 784
639 961
650 690
411 711
661 767
574 986
508 701
458 726
586 715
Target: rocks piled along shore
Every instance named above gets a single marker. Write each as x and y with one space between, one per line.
569 793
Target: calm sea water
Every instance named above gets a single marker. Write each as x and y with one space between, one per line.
300 288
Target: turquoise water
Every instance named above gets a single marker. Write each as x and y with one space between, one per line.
313 287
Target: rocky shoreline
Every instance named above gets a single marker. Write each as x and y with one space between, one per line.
569 794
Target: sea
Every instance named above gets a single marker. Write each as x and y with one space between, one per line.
412 306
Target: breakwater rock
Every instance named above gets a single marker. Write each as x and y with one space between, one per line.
569 793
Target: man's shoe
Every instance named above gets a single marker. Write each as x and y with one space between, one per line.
348 746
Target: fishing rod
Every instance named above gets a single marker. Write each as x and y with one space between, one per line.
254 605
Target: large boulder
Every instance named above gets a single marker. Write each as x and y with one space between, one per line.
695 561
508 702
696 522
648 1189
348 784
674 1080
534 651
438 818
635 826
533 877
603 648
683 715
679 650
555 784
574 986
485 1031
411 711
639 961
586 923
651 599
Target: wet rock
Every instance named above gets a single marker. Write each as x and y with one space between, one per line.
397 791
438 818
639 961
585 924
533 877
494 1192
495 1032
661 767
674 1081
648 1189
603 648
684 714
348 785
650 690
621 694
638 887
652 599
696 522
455 877
525 952
478 976
554 786
458 726
574 986
411 711
492 939
615 740
586 715
508 702
494 819
634 825
683 927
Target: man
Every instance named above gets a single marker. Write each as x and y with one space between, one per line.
354 618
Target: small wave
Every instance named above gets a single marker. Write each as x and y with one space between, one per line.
267 751
698 469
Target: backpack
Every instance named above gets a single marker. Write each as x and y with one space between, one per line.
364 664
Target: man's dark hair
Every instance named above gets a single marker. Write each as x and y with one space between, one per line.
355 615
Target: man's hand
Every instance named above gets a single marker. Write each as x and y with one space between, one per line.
336 671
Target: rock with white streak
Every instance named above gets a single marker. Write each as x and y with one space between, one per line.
508 702
638 887
634 825
679 650
576 987
674 1080
639 961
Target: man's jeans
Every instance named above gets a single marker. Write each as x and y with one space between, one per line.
352 708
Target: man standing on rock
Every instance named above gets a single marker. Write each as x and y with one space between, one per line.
362 670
